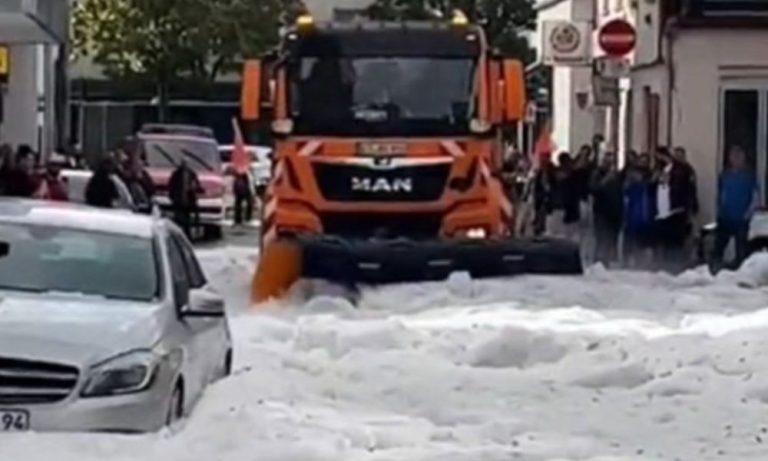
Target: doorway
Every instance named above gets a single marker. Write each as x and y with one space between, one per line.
744 122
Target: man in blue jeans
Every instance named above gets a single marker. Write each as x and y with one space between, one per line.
737 200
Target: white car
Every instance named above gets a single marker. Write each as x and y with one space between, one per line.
261 162
758 232
107 321
76 182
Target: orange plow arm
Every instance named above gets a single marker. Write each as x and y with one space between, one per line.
278 269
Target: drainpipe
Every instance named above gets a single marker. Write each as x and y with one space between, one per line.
671 78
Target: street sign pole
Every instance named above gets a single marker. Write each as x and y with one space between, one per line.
617 38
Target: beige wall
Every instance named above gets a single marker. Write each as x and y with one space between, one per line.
703 60
572 125
655 79
20 123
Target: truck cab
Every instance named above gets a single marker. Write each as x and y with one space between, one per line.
386 129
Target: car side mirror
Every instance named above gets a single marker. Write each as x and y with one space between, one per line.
203 303
144 208
5 249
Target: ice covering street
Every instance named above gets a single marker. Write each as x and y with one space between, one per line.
613 366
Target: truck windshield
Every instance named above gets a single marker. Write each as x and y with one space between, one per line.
390 96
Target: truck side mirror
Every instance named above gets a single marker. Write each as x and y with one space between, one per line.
514 90
250 96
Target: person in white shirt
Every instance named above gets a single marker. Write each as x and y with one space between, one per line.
672 226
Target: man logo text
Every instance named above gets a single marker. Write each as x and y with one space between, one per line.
382 185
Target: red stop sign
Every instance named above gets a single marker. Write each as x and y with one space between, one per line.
617 37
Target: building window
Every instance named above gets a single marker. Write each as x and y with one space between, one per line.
726 8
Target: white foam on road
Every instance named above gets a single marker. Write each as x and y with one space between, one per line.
613 366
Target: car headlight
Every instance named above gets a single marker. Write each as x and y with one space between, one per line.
125 374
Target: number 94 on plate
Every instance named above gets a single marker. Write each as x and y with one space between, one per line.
13 420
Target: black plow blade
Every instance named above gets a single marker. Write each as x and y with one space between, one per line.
401 261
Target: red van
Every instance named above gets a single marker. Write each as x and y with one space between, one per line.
163 146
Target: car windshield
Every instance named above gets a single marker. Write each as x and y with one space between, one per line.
382 95
201 156
43 259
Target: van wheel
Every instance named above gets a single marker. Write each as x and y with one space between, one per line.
212 232
175 406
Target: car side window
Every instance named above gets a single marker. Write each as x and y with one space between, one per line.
194 271
178 267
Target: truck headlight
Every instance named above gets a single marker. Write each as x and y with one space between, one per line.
125 374
475 233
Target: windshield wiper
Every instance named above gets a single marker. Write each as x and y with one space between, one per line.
165 154
23 289
195 157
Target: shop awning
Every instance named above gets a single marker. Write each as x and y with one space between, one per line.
42 21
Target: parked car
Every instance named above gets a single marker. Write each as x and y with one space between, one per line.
77 181
261 163
107 322
758 232
163 147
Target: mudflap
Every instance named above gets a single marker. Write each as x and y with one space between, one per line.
279 267
400 261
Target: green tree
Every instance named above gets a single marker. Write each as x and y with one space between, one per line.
159 42
503 20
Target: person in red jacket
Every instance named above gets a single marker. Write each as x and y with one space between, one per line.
56 189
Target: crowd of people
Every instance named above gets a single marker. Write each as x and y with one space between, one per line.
22 176
641 215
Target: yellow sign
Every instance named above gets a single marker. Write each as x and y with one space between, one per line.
5 65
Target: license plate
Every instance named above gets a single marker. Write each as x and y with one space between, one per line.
14 420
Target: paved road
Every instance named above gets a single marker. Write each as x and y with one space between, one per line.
241 236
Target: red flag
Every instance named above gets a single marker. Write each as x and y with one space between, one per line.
544 146
241 162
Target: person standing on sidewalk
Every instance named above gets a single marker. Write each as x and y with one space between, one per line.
101 190
183 189
585 165
639 210
244 194
607 185
737 201
672 224
563 221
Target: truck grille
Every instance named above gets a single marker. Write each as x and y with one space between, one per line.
389 225
353 183
28 382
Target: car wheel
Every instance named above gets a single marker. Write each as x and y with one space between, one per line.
226 369
175 406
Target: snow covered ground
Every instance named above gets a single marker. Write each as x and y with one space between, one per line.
612 366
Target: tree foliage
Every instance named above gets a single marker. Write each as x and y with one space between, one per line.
166 40
503 20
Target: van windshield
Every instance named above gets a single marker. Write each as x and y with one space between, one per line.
167 153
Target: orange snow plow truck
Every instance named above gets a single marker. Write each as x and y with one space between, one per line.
387 157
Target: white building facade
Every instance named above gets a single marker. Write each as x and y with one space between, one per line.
574 119
698 79
35 34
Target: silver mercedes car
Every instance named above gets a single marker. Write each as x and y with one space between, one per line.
107 321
